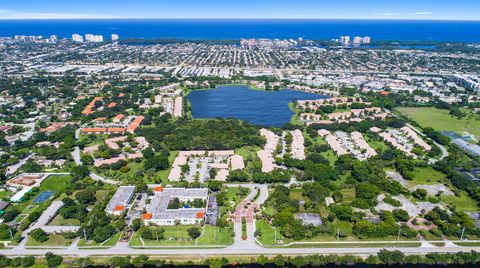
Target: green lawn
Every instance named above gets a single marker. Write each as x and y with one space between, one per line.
112 241
235 196
57 183
267 231
101 195
59 220
441 120
213 235
174 236
348 194
427 175
462 202
247 151
5 194
54 240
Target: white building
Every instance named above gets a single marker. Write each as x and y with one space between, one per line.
77 38
93 38
158 212
120 200
345 39
115 37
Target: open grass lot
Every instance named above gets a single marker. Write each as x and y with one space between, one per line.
57 183
248 151
213 235
112 241
235 195
427 175
59 220
441 119
174 236
268 233
462 202
5 194
53 241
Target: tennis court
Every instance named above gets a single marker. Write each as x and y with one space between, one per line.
43 196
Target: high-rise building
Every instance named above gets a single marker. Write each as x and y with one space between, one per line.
93 38
366 40
357 40
115 37
89 37
77 38
345 39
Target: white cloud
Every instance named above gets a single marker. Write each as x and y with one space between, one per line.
423 13
11 14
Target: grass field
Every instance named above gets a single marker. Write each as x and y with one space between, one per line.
174 236
57 183
441 120
112 241
5 194
213 235
54 240
59 220
268 233
427 175
235 196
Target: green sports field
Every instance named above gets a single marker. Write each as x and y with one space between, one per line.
441 120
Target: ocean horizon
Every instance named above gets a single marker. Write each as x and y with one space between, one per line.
195 29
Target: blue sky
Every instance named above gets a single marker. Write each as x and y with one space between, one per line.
293 9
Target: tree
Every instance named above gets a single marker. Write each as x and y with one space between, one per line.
215 185
121 262
137 224
53 260
140 260
401 215
103 233
4 261
420 194
86 197
391 257
237 176
194 232
79 172
28 261
39 235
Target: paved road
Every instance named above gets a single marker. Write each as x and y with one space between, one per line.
233 250
77 159
441 147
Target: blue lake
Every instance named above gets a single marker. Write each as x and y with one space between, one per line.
265 108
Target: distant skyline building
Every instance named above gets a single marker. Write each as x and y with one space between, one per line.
115 37
366 40
94 38
77 38
345 39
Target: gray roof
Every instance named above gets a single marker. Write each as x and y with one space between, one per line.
159 205
122 197
3 204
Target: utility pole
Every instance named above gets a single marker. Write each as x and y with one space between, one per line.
11 235
275 229
338 234
156 234
84 235
399 230
463 232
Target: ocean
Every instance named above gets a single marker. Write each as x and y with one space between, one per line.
385 30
